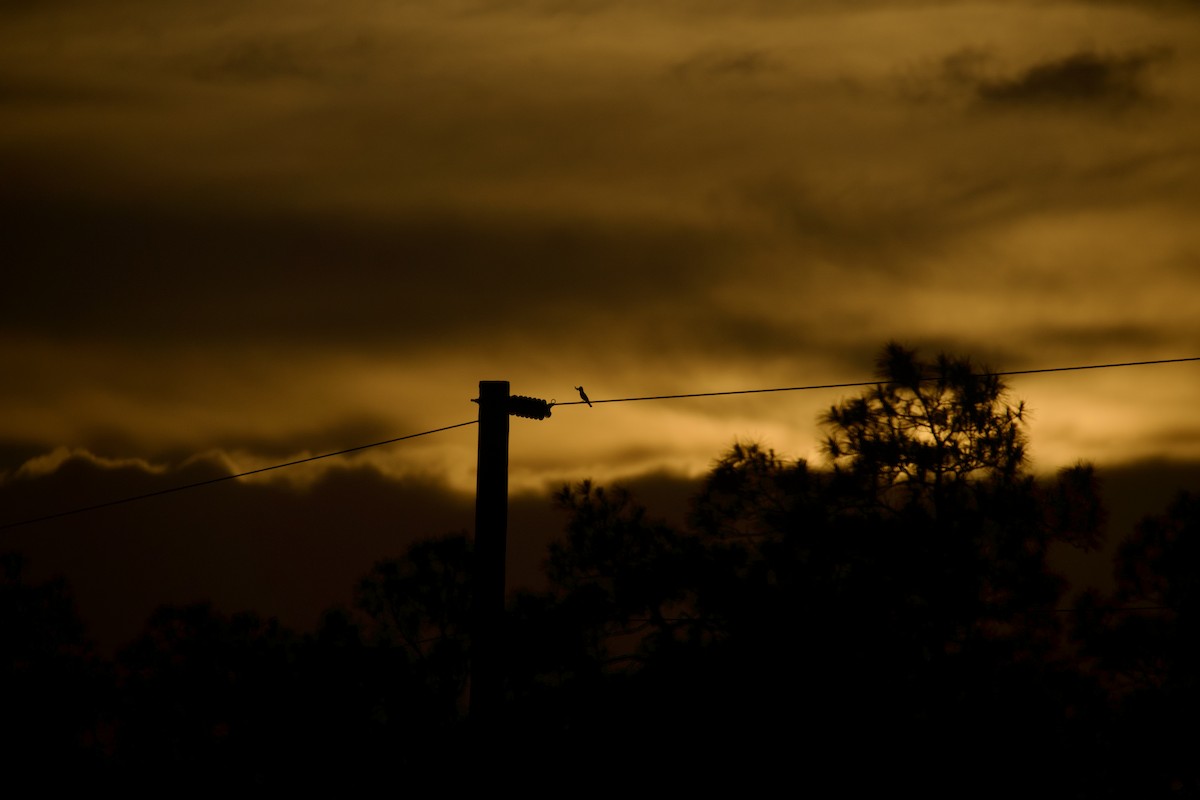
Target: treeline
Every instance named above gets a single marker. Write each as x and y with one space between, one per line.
887 622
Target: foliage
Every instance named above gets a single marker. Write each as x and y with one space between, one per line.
422 600
1143 643
926 429
52 689
1074 511
906 585
420 605
204 696
627 576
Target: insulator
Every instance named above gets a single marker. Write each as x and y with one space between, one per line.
528 407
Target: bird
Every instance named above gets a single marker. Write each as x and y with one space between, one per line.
583 394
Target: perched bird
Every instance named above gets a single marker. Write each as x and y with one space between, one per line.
583 394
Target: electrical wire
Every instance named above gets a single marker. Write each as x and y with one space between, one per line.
809 387
222 478
860 384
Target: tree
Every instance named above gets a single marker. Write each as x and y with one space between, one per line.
893 603
1143 642
419 605
626 576
926 429
207 699
52 689
930 476
937 451
770 550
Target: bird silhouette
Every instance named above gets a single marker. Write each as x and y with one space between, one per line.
583 394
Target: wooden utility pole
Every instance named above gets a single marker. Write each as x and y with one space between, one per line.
491 532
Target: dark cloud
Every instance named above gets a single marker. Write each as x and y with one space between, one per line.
19 8
728 62
280 550
195 271
293 444
854 220
1142 5
754 336
23 93
1084 78
253 61
1101 337
293 552
317 54
283 551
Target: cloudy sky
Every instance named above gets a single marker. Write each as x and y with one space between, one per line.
240 233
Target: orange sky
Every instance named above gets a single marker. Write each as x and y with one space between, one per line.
255 231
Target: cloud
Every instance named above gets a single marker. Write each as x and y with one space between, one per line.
1101 337
271 233
256 61
746 63
245 544
51 462
1085 78
200 274
266 545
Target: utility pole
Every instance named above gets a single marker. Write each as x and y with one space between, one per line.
491 533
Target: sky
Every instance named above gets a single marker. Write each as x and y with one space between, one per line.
243 233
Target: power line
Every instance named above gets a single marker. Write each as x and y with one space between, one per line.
808 387
1095 366
734 391
222 478
860 384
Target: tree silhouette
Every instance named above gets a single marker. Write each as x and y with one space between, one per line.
207 698
628 574
1149 659
416 616
55 693
926 429
1074 511
936 453
895 598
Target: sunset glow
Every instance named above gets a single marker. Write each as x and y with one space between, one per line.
240 234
